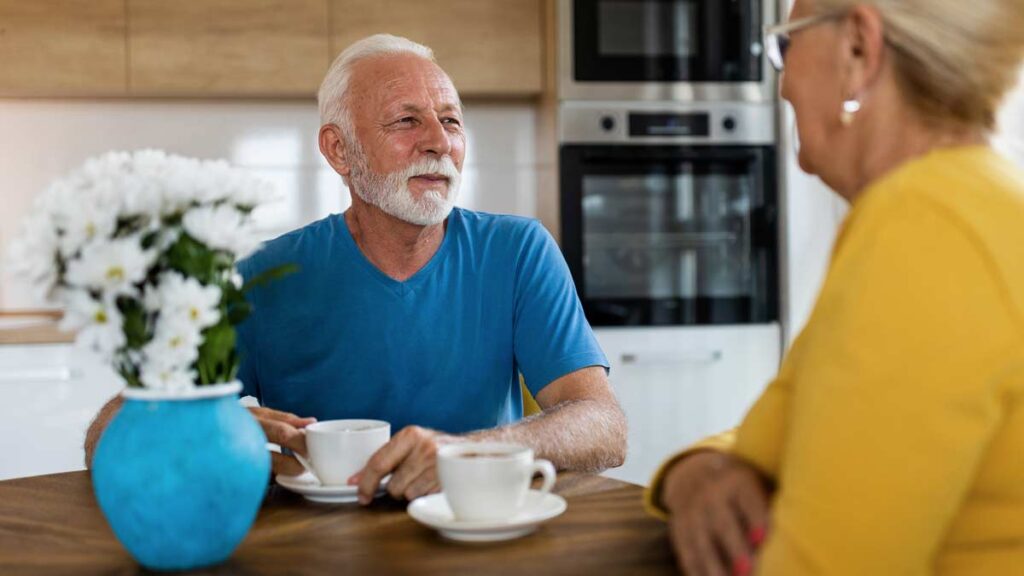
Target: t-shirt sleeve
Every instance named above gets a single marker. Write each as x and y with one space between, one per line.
552 337
245 342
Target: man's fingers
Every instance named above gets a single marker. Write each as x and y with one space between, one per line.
420 460
287 417
285 465
425 483
380 465
285 435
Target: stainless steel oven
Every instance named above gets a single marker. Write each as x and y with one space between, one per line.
664 50
669 211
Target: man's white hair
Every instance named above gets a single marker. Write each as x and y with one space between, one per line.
333 96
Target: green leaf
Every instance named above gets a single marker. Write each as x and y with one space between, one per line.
270 274
134 318
192 258
216 353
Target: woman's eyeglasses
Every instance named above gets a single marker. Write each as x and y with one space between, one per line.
776 38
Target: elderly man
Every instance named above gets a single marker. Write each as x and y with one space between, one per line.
408 310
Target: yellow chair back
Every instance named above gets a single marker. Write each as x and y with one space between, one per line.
530 406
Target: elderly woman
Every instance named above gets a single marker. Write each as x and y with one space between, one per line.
892 439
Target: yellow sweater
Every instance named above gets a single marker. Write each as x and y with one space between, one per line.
895 427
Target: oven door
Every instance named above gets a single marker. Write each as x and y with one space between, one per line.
671 235
667 40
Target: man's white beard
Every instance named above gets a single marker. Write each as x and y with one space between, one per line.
390 192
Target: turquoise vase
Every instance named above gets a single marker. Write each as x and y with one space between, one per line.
180 477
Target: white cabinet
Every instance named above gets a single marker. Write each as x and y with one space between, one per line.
48 396
678 385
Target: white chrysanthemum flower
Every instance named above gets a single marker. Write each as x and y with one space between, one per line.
113 267
222 227
174 346
33 254
171 380
181 299
81 221
98 322
252 192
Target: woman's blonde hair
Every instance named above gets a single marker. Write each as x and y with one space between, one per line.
955 59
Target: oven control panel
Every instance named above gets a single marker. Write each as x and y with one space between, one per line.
661 123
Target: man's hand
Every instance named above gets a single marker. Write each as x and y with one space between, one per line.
719 513
286 430
411 459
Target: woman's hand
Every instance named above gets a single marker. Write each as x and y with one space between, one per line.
719 513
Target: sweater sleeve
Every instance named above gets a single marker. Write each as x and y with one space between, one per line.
895 398
652 495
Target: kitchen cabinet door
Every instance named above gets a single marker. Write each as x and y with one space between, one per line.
227 47
49 395
488 47
678 385
62 48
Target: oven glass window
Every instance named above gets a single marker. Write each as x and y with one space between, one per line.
647 28
666 235
680 235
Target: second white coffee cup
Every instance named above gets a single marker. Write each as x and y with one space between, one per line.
489 480
340 448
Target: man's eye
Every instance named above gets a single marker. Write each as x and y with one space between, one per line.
452 121
407 120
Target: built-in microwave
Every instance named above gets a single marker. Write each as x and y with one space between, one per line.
669 212
664 50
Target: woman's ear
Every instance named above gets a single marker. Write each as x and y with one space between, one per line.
863 49
333 149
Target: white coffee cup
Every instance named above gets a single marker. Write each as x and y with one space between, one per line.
340 448
489 480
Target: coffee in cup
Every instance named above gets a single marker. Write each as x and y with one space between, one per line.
339 448
486 481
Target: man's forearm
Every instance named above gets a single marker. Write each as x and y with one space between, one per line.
99 424
579 435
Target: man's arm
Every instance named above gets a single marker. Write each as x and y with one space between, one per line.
581 428
99 424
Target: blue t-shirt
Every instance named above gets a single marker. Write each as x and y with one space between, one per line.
340 339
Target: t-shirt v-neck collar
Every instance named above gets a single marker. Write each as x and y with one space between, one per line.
399 287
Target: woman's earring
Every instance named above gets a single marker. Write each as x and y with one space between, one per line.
850 109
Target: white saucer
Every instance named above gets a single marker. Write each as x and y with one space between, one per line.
433 511
307 485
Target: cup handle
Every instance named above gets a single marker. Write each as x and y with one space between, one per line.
302 459
547 470
306 464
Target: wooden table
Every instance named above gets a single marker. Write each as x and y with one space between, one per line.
52 525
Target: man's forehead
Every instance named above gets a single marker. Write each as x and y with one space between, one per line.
407 81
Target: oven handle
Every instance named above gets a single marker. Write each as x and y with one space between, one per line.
686 357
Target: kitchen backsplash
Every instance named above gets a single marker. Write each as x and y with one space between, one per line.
44 139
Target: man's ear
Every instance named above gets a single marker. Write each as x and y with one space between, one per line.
863 49
332 147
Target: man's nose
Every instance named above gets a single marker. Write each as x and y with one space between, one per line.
435 138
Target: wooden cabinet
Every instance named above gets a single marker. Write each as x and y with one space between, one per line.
227 47
62 47
488 47
254 48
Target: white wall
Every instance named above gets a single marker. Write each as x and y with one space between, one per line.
44 139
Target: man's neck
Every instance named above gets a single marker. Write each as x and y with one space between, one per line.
397 248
